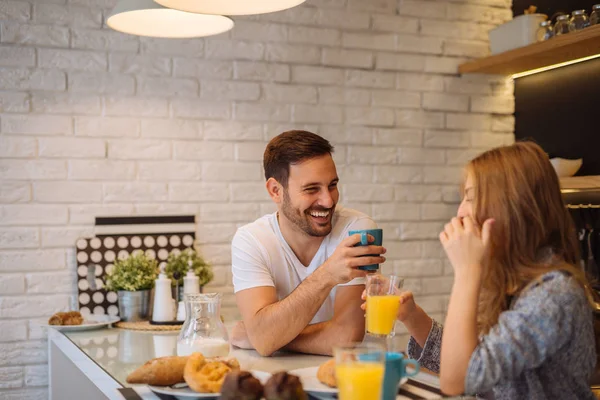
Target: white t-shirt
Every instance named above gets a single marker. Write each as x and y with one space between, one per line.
262 257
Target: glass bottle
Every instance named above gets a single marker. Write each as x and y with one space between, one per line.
578 21
544 32
562 25
203 331
595 15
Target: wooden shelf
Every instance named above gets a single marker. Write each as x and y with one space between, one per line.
589 182
557 50
581 189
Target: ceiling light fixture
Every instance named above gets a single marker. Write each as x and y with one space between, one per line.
230 7
146 18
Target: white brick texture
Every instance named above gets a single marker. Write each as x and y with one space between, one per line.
94 122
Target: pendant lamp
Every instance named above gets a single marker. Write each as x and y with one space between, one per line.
147 18
230 7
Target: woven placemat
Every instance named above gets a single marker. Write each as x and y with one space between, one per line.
146 326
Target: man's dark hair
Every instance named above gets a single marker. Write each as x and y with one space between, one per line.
292 147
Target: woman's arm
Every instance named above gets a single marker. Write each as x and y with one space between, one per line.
460 335
465 244
418 324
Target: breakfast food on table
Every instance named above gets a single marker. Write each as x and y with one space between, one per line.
283 386
241 385
66 318
163 371
205 375
232 363
326 373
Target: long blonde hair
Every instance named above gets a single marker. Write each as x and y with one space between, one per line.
533 232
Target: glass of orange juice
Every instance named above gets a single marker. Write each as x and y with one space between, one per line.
383 301
359 371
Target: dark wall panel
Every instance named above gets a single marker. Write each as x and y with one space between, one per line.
560 110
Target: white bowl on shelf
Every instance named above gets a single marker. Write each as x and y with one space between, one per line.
565 167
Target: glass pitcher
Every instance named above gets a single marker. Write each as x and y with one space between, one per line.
203 331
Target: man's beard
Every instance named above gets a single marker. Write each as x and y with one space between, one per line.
303 220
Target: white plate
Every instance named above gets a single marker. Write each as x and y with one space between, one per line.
188 393
89 323
308 377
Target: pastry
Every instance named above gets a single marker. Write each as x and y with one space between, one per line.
283 386
66 318
163 371
206 375
241 385
232 363
326 373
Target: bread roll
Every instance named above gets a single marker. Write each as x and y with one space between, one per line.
163 371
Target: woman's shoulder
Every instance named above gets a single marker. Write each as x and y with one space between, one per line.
555 287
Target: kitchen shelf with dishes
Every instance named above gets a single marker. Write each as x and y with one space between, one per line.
557 50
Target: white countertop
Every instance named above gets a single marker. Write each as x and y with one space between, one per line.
107 356
120 351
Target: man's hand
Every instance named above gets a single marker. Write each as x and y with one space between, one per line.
239 337
343 264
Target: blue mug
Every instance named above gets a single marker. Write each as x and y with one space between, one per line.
364 241
395 370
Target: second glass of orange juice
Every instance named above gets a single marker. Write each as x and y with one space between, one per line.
383 301
359 371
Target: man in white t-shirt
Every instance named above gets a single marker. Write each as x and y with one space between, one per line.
295 272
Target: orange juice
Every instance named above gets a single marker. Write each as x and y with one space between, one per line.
359 381
381 313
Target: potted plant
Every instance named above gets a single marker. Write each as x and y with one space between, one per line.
179 263
133 278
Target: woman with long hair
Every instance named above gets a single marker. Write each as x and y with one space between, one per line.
519 323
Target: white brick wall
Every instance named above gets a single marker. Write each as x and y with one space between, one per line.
97 123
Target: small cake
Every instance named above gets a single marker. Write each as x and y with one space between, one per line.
241 385
283 386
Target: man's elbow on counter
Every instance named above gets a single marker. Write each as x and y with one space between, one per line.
264 349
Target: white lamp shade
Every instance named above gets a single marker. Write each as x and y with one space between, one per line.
230 7
146 18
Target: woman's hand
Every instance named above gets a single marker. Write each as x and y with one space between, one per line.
407 305
466 245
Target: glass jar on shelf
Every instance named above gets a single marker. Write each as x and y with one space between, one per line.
561 26
544 32
579 20
595 15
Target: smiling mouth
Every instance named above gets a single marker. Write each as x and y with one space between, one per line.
320 216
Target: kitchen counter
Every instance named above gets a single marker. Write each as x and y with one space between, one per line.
93 365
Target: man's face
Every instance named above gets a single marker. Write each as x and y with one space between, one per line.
312 193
